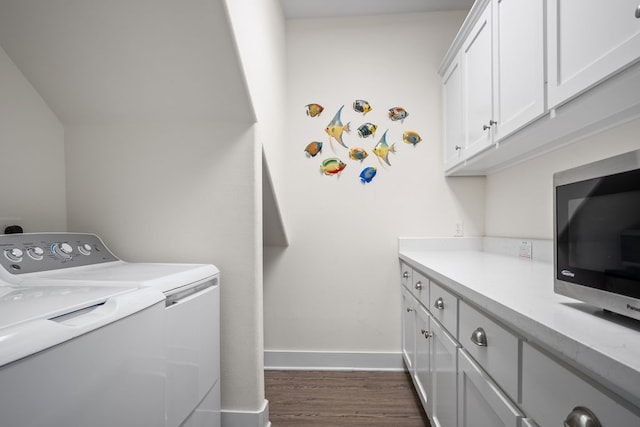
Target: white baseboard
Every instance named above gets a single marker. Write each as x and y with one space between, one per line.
247 418
332 361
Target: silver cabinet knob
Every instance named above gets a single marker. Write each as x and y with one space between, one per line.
492 122
439 304
581 417
485 127
479 337
638 12
458 147
405 275
427 334
409 309
419 286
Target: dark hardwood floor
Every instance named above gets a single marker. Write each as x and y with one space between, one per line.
342 398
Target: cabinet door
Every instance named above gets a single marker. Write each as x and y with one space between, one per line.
476 58
518 64
409 305
587 42
444 370
453 115
480 402
423 359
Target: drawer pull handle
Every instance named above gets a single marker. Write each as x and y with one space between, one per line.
479 337
419 286
581 417
439 304
427 334
405 275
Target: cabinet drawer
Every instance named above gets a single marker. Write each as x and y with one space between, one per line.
492 346
406 275
444 307
420 287
550 392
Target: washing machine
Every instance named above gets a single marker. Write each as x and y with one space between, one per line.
71 355
190 323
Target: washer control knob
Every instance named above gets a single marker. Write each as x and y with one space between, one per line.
62 250
85 249
36 253
14 254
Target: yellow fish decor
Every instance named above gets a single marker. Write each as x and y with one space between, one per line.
411 137
314 110
358 154
361 106
367 130
313 148
382 149
332 166
335 128
398 113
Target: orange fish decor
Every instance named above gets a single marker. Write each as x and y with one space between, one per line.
314 110
313 148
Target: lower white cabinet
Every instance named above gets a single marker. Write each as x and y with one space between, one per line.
481 403
444 371
552 393
486 375
409 305
423 359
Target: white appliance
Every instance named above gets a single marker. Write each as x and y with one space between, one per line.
72 355
191 311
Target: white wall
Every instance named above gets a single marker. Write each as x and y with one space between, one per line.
519 200
31 156
181 192
335 288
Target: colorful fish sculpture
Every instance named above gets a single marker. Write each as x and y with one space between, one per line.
313 148
366 130
361 106
314 110
358 154
368 173
411 137
335 128
382 149
332 166
398 113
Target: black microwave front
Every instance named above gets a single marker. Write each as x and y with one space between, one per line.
597 233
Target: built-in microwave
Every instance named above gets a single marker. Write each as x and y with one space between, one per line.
597 233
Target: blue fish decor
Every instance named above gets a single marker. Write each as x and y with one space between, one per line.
367 130
367 174
361 106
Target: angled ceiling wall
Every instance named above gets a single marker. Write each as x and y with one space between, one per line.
112 61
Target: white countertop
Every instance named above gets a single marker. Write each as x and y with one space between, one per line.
520 293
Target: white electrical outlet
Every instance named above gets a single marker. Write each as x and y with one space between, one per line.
459 232
524 250
5 222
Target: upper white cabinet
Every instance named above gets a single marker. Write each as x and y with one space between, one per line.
587 42
453 115
524 77
476 61
493 82
518 63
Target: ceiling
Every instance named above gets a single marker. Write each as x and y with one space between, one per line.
334 8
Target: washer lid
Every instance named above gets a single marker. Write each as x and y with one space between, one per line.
36 318
162 276
24 304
